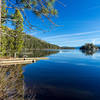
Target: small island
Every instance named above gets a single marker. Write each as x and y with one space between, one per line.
89 48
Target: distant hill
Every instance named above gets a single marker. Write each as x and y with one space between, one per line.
98 46
77 47
31 42
65 47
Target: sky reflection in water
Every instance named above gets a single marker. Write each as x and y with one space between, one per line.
67 75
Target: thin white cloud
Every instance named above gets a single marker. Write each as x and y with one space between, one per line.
70 35
75 39
93 40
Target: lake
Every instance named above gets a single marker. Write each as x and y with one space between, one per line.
66 75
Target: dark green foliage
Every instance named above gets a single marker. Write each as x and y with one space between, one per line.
37 53
31 43
39 7
18 23
18 36
12 40
4 11
12 43
89 46
67 47
43 6
89 49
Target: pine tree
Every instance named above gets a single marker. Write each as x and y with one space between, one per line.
18 43
15 42
3 11
38 7
3 15
12 40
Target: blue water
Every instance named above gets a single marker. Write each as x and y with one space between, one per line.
67 75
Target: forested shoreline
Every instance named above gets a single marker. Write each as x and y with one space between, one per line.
33 43
14 41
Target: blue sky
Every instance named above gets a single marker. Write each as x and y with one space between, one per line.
79 20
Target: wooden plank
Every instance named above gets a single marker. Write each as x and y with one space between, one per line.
20 60
12 59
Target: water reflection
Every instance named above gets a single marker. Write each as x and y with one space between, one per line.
70 75
11 82
46 92
89 52
12 86
38 53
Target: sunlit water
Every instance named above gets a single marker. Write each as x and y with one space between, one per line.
66 75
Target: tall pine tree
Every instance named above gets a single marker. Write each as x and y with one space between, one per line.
40 8
18 39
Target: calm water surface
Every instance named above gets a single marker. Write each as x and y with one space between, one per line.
66 75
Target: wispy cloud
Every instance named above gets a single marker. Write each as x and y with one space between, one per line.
72 34
75 39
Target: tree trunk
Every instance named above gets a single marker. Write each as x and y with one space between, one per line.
15 55
0 13
0 25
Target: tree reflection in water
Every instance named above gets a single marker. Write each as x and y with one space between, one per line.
38 53
89 52
11 83
12 86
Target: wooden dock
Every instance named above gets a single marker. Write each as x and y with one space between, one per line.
13 61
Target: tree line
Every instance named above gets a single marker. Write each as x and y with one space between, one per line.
31 43
14 40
